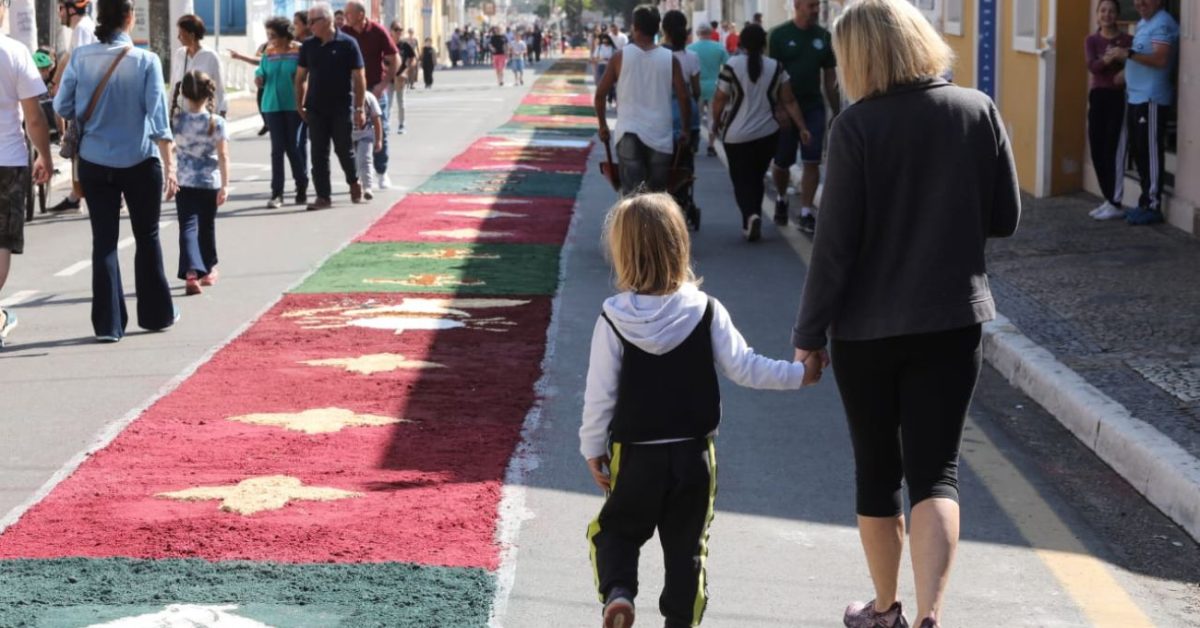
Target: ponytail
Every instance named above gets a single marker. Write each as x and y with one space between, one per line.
753 40
196 86
111 16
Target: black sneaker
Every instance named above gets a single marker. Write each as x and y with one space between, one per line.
712 151
65 205
301 197
781 213
808 224
754 228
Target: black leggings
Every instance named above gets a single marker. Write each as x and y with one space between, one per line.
748 163
906 401
1106 119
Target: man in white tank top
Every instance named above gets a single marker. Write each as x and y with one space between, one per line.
648 75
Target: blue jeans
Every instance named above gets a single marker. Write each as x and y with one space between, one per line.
141 185
287 138
197 212
381 158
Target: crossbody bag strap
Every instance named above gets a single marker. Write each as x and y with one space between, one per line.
100 88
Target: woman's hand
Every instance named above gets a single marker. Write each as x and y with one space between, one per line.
221 196
598 466
815 363
170 184
805 136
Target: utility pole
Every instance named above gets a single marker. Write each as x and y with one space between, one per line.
159 19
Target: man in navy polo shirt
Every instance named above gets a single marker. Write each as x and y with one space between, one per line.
332 99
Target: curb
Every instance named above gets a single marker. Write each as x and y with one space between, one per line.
1157 467
1161 470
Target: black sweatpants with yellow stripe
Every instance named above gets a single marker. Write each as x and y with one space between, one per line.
669 487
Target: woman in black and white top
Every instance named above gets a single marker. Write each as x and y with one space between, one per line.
748 89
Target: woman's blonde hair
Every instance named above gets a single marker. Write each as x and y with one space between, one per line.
648 245
883 43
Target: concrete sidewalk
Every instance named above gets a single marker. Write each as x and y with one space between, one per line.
1111 322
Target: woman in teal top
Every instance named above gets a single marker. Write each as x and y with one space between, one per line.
275 76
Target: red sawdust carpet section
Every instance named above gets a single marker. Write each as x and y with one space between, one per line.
579 100
430 487
424 218
491 153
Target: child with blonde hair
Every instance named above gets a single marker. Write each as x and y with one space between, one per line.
652 406
202 152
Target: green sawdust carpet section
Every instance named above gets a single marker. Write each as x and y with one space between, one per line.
81 592
544 131
505 183
494 269
555 110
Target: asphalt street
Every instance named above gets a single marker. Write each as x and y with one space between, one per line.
1051 537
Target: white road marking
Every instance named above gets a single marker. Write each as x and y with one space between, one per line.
17 298
75 268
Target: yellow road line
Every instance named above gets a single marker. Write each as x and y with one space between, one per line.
1087 580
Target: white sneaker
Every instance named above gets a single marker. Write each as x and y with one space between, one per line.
384 182
1111 212
1099 208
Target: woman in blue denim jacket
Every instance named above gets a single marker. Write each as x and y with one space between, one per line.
124 151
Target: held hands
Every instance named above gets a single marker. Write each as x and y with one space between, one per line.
599 468
814 363
170 184
360 120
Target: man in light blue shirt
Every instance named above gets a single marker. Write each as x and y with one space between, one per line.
1149 65
124 152
712 56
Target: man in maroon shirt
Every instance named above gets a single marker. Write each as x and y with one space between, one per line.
380 64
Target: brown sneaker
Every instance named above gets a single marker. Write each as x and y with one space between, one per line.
320 203
864 615
356 192
191 284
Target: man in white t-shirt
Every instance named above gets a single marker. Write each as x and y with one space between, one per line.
72 14
620 40
20 87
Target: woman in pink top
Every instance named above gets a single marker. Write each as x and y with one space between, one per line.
1106 106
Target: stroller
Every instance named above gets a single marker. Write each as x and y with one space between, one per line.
682 180
44 60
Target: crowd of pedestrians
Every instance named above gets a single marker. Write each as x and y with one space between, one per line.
326 81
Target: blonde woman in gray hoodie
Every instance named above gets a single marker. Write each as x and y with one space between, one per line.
652 407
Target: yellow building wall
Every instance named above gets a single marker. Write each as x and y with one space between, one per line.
1075 23
1019 95
964 47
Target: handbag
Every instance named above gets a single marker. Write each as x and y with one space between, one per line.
609 169
69 147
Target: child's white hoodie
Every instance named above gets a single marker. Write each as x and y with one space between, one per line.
656 325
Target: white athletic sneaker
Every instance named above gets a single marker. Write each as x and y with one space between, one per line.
384 182
1099 208
1111 212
